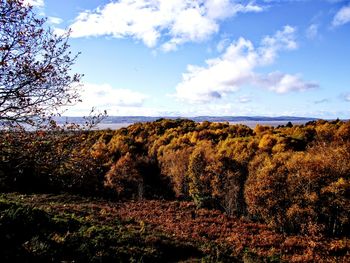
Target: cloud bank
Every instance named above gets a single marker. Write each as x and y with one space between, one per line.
171 22
105 97
236 67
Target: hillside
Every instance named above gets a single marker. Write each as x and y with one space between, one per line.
214 191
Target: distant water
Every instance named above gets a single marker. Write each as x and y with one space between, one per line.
112 126
251 124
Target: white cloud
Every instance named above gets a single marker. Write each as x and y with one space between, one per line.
236 67
342 16
54 20
105 97
312 31
270 45
284 83
192 25
221 9
221 75
174 21
59 31
223 43
38 3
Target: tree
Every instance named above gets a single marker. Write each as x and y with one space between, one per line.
204 174
266 191
125 178
35 66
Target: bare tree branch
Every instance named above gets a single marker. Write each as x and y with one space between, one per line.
35 65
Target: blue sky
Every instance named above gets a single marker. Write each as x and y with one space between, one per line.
209 57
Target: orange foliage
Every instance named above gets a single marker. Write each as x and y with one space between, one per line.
294 178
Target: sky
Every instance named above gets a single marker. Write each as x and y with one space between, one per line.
208 57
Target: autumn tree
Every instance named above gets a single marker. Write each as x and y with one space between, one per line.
235 155
266 190
204 173
35 64
125 178
174 163
196 172
318 184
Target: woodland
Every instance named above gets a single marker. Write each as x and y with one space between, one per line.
217 192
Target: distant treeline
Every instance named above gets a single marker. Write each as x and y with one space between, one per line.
294 178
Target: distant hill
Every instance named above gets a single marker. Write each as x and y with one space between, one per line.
135 119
